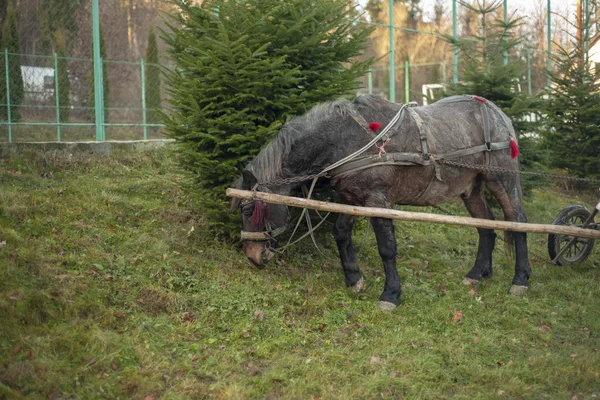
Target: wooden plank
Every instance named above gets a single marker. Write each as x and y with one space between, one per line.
414 216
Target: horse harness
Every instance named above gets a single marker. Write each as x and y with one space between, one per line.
355 162
429 155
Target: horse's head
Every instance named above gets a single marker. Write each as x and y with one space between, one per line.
262 222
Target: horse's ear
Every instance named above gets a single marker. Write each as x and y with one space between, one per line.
248 180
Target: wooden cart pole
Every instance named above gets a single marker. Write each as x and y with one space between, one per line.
413 216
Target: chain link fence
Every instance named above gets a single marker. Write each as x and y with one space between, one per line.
49 92
47 47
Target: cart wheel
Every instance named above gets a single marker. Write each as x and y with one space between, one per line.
581 248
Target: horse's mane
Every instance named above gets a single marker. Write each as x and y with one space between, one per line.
268 164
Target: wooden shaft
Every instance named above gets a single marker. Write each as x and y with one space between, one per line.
414 216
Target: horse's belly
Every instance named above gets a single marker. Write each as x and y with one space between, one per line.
419 186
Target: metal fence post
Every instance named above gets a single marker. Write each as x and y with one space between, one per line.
392 53
370 81
455 47
406 81
143 79
56 97
505 23
6 66
529 71
549 46
98 76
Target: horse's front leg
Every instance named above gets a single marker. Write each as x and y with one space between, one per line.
386 243
343 237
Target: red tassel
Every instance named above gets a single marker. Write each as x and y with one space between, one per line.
258 214
514 149
374 126
479 99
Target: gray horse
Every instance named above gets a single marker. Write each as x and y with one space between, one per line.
406 166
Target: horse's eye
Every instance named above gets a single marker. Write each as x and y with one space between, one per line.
247 209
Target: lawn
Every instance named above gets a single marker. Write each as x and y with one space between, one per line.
113 286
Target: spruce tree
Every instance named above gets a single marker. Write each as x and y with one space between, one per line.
10 41
105 83
490 67
152 82
572 131
243 69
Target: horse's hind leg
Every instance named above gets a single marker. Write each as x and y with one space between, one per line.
508 193
479 208
343 237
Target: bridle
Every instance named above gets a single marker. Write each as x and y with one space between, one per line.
260 214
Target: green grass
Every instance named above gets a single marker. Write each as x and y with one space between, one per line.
112 286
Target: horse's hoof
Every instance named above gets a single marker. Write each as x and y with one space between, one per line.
386 305
360 285
469 282
517 290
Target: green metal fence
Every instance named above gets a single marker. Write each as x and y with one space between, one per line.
403 75
90 70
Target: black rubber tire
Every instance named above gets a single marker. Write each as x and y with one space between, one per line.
574 215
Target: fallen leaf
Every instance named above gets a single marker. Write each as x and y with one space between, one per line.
108 276
544 329
499 363
476 339
188 317
114 366
2 244
164 256
393 374
425 264
375 360
54 395
472 292
17 348
152 396
574 356
95 272
305 303
259 315
322 327
458 316
450 273
500 392
345 304
247 334
92 362
443 288
30 355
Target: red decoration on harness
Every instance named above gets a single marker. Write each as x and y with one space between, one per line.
374 126
258 214
514 149
479 99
